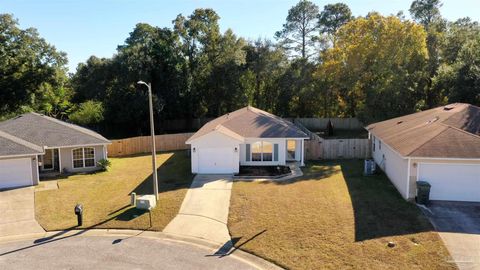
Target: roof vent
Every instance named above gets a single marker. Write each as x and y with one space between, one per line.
433 120
448 107
399 122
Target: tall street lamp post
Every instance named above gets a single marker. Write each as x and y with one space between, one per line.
152 131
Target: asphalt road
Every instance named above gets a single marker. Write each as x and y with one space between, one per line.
95 252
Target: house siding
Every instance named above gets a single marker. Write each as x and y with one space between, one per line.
392 164
66 158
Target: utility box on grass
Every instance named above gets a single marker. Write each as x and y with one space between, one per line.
146 202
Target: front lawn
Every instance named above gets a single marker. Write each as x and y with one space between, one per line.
106 195
334 218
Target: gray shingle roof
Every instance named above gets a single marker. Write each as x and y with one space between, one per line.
42 130
451 131
250 122
12 146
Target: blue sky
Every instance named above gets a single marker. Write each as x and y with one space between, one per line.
83 28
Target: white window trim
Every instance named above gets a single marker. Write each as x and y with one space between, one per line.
261 154
83 158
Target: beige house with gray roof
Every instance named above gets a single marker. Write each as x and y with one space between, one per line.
440 146
249 137
32 145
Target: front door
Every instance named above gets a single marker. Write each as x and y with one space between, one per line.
47 160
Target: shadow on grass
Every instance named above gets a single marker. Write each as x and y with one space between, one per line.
174 173
229 247
378 207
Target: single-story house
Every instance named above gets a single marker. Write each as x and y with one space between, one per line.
33 144
440 146
247 136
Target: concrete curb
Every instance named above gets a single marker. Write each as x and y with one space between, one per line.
238 254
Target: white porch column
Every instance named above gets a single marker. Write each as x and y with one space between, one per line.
303 153
105 152
37 177
60 169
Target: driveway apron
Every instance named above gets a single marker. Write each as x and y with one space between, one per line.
458 224
204 211
17 212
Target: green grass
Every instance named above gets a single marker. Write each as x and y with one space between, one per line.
333 218
106 195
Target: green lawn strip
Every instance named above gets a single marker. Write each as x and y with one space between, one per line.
106 195
333 218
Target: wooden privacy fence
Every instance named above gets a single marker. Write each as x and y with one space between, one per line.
315 148
346 148
137 145
318 148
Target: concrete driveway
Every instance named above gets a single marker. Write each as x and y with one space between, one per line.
458 224
97 252
204 211
18 212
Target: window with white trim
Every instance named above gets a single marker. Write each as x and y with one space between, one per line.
267 151
257 151
83 157
262 151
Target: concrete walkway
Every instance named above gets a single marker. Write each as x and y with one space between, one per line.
17 208
204 211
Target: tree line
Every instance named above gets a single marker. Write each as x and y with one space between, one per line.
321 63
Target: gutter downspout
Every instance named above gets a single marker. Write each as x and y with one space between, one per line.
303 153
408 180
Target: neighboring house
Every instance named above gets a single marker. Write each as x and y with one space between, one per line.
248 136
440 146
33 144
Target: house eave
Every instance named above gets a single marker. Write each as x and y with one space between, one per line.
445 158
22 155
77 145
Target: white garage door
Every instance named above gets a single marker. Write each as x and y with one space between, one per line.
452 182
215 160
15 172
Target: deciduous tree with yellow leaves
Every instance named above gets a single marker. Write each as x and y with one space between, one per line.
375 68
